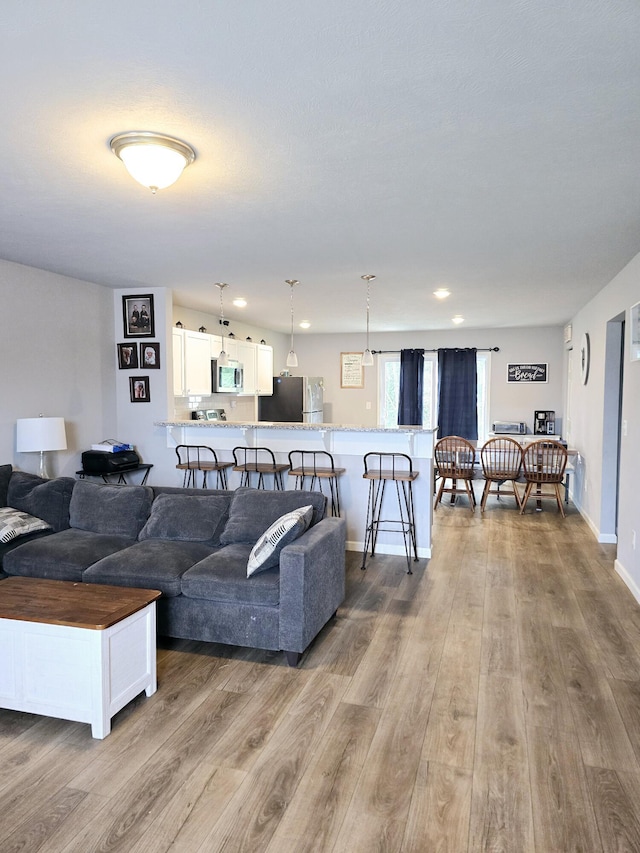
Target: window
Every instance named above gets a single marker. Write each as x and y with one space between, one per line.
389 384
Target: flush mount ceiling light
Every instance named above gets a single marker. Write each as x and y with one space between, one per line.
154 160
367 355
457 319
441 293
240 302
305 324
292 358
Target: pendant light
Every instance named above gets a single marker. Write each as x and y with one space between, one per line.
223 358
292 358
367 355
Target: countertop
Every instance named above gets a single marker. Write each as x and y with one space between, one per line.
291 426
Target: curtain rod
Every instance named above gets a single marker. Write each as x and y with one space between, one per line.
391 351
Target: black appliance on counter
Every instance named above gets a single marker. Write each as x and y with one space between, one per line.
103 462
544 422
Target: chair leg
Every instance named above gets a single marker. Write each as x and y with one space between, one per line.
470 494
527 492
440 491
559 499
485 494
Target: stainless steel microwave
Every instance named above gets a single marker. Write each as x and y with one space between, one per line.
227 379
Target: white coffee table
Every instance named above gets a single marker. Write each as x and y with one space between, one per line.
75 651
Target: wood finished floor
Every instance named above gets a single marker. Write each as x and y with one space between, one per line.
488 702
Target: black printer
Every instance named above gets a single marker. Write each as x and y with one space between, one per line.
103 462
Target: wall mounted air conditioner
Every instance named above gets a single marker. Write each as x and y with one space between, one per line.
568 336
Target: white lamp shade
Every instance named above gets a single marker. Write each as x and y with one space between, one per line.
36 434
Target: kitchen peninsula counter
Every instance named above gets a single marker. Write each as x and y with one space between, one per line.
347 443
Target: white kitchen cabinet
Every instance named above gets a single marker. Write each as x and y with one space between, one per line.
264 369
178 362
247 358
197 363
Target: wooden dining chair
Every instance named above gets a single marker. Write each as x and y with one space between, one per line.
501 460
544 464
454 460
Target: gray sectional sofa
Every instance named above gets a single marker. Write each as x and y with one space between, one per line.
193 546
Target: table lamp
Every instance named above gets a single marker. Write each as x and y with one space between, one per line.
39 435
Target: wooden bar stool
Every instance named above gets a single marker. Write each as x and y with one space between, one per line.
199 457
310 468
260 461
379 469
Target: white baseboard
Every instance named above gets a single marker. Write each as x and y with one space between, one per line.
628 580
393 550
602 538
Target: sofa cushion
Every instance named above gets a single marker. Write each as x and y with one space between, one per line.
62 556
253 511
46 499
15 523
223 577
5 476
118 510
152 564
186 518
266 552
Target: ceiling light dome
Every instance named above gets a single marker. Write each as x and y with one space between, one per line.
154 160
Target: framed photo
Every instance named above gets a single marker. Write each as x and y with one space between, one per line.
528 372
139 389
150 356
351 370
127 356
139 321
635 332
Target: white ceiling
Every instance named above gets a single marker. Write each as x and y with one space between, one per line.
493 147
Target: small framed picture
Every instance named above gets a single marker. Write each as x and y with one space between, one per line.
150 356
351 370
127 356
137 312
139 389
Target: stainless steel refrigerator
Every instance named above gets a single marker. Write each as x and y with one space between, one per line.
295 399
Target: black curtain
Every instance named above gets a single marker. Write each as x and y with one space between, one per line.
458 396
411 382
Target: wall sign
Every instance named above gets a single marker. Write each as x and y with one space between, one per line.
536 372
351 370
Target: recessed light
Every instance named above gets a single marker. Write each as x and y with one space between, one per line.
441 293
457 319
240 302
305 324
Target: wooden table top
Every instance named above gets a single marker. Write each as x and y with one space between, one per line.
78 605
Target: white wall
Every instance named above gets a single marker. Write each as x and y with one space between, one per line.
57 358
319 355
587 431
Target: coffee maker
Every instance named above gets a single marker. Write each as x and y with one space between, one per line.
544 422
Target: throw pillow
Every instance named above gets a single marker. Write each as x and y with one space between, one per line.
14 523
266 552
252 511
46 499
186 518
117 510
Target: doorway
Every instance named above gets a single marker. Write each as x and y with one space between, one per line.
612 428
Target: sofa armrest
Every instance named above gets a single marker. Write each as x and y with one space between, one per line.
312 582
